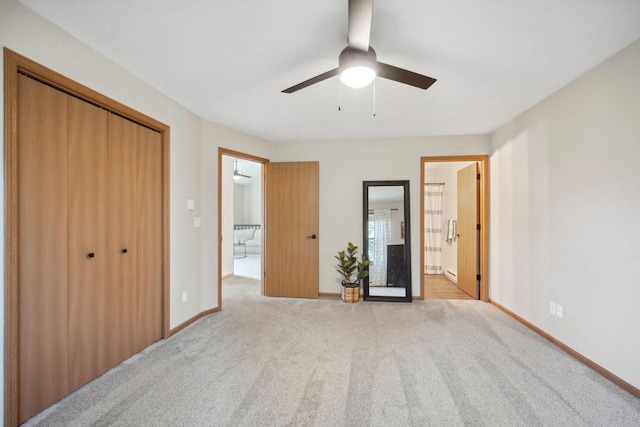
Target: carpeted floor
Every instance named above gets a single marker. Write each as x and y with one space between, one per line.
272 361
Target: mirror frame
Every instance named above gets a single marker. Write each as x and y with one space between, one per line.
407 238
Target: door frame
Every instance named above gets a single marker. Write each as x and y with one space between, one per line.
483 170
250 157
15 63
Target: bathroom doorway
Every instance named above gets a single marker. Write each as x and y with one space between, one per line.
454 224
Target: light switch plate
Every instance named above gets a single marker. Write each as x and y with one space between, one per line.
196 222
191 205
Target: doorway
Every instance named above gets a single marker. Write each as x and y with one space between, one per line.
240 224
454 225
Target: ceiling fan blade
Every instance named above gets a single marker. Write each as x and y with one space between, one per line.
312 81
360 13
404 76
236 172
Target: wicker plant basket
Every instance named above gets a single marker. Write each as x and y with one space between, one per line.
350 294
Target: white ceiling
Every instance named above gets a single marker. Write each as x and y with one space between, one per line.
227 61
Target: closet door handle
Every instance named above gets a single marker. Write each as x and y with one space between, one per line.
124 251
91 255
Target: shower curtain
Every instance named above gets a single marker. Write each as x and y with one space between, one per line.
433 201
382 235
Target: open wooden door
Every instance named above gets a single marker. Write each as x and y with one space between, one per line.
468 234
291 229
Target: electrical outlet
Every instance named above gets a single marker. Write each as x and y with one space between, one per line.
559 310
196 222
552 308
191 205
185 296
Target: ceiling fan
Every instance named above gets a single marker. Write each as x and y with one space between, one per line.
357 63
236 173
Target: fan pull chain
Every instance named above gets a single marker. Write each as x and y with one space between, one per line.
374 97
339 95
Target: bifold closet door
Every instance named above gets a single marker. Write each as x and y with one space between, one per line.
43 343
87 242
123 248
149 237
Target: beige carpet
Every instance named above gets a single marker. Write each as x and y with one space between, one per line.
268 361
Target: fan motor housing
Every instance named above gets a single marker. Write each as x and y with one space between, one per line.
351 57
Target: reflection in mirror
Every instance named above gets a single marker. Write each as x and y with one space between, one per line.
386 234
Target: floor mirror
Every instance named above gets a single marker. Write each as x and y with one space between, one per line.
386 235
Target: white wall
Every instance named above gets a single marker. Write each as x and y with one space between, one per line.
194 142
565 202
252 202
247 202
238 204
343 167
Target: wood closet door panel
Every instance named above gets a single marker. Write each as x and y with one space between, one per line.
149 237
122 202
43 345
87 235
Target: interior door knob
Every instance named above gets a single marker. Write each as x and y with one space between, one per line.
91 255
124 251
313 236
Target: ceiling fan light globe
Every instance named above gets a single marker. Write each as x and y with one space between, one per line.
357 76
357 68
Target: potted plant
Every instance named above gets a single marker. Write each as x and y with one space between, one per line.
352 272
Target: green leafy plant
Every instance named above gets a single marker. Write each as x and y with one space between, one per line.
350 268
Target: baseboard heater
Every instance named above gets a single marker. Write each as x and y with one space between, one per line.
451 276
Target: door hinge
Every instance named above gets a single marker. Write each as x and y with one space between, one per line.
478 227
265 273
478 176
478 277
